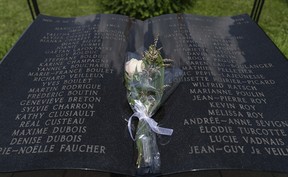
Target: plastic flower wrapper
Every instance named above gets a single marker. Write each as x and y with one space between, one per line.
149 82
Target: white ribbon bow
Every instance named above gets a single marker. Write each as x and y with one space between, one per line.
142 115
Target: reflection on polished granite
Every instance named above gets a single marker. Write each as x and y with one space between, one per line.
83 173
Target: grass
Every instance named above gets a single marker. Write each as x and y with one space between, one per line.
14 19
15 16
275 23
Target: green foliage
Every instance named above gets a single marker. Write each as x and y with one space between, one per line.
143 9
146 86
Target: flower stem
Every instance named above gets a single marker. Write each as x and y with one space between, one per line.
148 160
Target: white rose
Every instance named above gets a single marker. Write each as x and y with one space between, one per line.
134 65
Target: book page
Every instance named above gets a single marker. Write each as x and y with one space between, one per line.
63 102
62 98
230 109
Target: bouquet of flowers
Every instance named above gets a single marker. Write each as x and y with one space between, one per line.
146 87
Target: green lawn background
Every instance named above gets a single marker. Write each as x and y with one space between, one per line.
15 16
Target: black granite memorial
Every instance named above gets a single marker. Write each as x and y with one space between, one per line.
63 101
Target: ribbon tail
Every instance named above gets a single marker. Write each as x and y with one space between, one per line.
129 126
163 131
159 130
